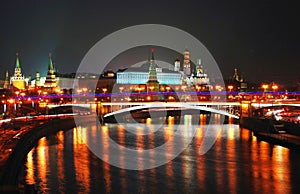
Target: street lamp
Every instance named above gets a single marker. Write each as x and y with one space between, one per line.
151 88
168 88
84 90
219 88
265 87
230 87
274 87
139 89
104 90
198 88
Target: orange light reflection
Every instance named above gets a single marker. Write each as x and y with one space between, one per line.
81 158
30 168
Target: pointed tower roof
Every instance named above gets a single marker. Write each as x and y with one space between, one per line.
6 75
152 54
17 60
50 64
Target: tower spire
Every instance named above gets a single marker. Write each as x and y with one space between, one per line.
152 54
17 60
50 64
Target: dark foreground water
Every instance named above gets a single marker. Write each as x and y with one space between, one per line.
236 163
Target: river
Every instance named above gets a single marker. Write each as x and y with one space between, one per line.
237 162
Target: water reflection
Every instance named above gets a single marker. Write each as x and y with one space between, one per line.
81 159
30 169
106 166
236 162
42 159
60 160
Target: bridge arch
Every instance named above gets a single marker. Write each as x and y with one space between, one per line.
170 105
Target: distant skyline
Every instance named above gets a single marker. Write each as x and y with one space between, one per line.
260 38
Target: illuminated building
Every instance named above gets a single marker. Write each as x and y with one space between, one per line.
236 76
238 81
140 75
186 63
201 78
38 79
50 81
199 69
18 80
6 82
108 74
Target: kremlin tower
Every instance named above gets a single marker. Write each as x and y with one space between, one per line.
186 63
37 79
199 69
152 83
50 81
18 80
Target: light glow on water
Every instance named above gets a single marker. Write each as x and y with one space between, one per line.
30 166
236 162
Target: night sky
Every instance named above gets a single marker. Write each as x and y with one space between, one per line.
260 38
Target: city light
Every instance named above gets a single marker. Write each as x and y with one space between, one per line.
274 87
265 86
104 113
104 90
230 87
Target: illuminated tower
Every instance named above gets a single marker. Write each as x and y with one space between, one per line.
199 70
50 81
37 79
18 80
6 82
236 75
186 63
177 65
152 83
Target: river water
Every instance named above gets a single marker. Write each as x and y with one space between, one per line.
237 162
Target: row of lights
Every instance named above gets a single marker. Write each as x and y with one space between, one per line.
264 87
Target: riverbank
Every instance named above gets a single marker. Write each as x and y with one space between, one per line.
264 129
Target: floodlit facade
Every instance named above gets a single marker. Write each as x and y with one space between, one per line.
165 77
141 75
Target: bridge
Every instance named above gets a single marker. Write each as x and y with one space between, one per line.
181 106
109 109
129 104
